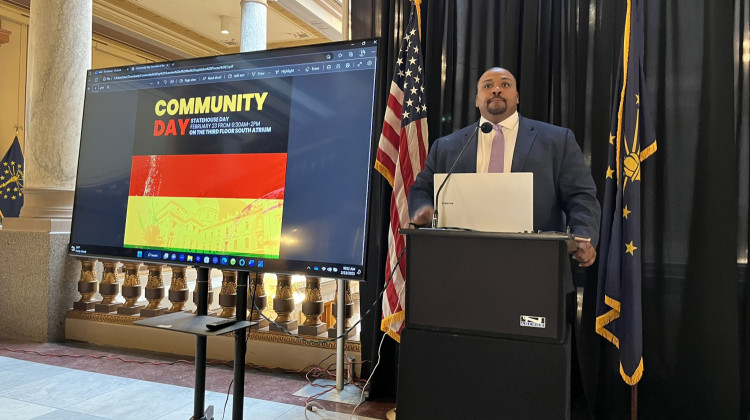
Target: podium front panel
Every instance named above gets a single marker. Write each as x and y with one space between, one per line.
454 376
485 284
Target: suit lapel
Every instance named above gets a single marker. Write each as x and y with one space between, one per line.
524 141
468 162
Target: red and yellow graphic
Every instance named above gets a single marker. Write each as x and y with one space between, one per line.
207 203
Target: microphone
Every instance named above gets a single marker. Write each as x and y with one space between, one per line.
486 128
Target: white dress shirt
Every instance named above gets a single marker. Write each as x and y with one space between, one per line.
484 144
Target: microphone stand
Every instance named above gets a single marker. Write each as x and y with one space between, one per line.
486 128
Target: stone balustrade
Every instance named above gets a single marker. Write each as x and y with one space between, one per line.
297 304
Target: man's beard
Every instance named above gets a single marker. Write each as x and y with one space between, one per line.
497 108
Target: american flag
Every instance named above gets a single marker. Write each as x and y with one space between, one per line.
402 151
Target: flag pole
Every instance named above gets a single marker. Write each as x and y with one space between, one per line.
418 3
634 402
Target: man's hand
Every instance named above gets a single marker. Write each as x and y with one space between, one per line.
423 216
585 254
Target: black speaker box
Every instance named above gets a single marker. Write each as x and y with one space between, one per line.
456 376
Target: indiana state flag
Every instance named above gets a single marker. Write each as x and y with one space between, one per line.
631 141
11 181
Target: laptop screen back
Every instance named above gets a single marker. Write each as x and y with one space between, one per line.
488 202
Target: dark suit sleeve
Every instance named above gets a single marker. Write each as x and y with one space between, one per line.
577 192
443 154
422 191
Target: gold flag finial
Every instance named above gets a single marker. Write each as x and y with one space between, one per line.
418 3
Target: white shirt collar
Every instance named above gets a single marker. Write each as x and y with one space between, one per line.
509 123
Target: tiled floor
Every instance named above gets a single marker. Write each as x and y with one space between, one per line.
81 382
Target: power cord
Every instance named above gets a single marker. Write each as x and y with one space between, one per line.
104 357
309 405
362 395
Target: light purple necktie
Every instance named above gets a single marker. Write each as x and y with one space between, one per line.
497 156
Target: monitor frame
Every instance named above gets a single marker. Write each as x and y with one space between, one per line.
344 270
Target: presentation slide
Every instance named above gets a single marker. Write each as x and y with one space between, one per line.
237 206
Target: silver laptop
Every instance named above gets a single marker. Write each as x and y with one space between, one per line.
492 202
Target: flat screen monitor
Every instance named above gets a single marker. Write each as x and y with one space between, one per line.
258 161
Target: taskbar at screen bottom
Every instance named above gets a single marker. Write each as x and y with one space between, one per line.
221 262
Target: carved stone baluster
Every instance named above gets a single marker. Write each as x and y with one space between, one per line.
348 312
86 285
109 288
210 296
154 291
178 289
312 307
131 290
283 304
260 298
228 294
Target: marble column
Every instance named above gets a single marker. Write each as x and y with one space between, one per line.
254 24
59 48
37 278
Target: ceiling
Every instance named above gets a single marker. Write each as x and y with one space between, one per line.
176 29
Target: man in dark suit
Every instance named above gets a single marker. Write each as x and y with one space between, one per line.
564 192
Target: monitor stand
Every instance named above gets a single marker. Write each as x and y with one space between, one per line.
197 324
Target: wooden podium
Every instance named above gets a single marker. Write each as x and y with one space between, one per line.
486 333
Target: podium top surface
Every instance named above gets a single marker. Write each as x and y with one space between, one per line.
190 323
538 236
